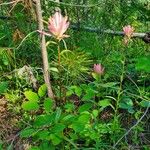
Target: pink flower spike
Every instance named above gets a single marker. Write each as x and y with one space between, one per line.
128 31
58 25
98 68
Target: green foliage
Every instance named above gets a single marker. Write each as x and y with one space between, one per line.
48 104
92 111
75 66
3 87
143 64
6 59
30 105
42 90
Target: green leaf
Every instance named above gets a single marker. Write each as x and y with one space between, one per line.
42 90
58 128
144 103
48 104
84 107
90 94
58 114
69 107
68 118
46 145
109 84
43 134
3 87
42 120
54 69
74 90
31 96
84 118
28 132
126 103
77 126
30 105
69 92
104 103
55 139
95 113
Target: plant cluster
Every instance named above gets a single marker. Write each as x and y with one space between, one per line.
100 84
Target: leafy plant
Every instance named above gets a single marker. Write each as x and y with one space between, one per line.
75 66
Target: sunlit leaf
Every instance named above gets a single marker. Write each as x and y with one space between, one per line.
31 96
42 90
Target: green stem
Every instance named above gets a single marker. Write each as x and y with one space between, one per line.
120 88
59 70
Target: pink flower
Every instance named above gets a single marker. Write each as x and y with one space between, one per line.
128 31
98 68
58 25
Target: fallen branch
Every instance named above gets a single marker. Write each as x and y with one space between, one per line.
144 36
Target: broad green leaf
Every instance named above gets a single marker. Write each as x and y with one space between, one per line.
144 103
84 118
30 105
55 139
31 96
28 132
77 126
95 113
43 120
69 92
131 110
123 105
104 103
84 107
126 103
43 134
68 118
74 89
3 87
58 128
58 114
54 69
90 93
48 104
42 90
